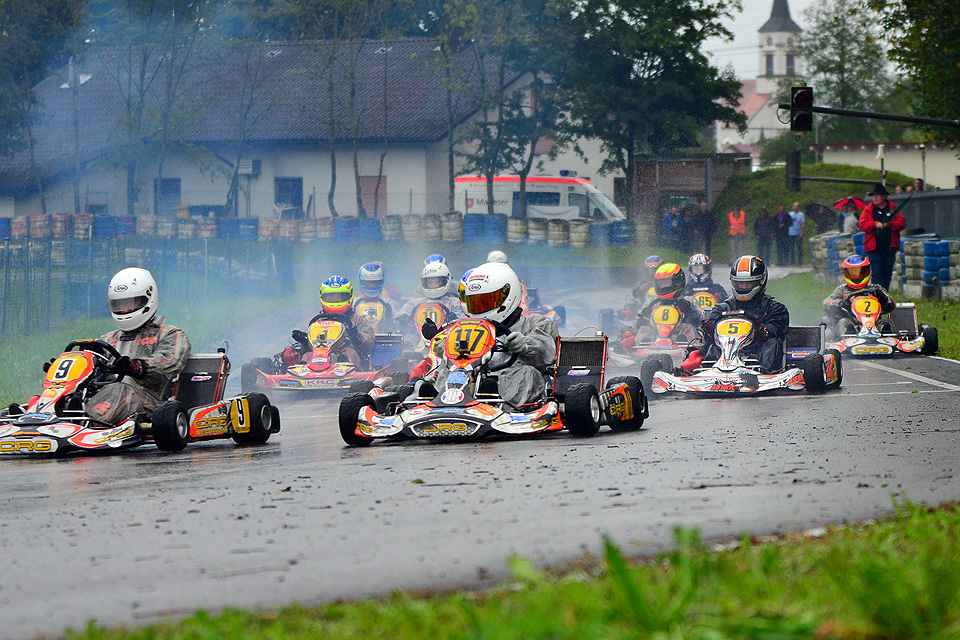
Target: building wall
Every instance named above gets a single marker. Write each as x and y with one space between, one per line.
778 44
942 164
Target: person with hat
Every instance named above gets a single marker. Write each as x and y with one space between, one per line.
881 224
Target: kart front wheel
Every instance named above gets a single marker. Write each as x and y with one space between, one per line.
649 368
837 362
814 378
582 410
349 416
260 421
638 399
171 426
361 386
931 341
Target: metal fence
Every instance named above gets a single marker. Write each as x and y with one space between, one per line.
46 284
933 211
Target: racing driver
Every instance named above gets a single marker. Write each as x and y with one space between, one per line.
856 281
336 302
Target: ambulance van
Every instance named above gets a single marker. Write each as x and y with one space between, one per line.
564 197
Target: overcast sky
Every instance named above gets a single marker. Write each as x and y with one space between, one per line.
742 51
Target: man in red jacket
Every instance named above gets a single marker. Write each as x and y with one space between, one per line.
882 226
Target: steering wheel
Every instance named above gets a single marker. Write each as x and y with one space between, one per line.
103 349
502 330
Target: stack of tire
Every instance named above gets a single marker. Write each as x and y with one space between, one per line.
924 265
952 290
826 256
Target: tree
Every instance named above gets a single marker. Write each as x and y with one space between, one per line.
846 64
923 36
636 78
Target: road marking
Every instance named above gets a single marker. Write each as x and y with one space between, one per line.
912 376
847 385
893 393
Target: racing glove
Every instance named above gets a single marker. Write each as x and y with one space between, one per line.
46 365
301 338
760 332
707 327
135 368
517 343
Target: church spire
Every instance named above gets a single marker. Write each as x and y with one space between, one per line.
780 19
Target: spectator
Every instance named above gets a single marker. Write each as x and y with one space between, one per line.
918 185
849 220
670 228
784 248
765 228
738 232
824 218
704 227
882 226
797 223
899 189
688 230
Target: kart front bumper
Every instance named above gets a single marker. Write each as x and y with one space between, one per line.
878 345
477 420
741 381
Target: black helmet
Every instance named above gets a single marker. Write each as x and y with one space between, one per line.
748 277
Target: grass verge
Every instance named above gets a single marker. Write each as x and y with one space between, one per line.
895 578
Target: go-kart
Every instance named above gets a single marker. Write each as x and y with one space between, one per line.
706 298
375 310
54 422
437 313
806 364
666 338
319 361
530 301
469 405
866 333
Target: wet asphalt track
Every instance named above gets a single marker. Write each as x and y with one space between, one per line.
129 539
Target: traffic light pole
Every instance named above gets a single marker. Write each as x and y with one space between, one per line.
879 116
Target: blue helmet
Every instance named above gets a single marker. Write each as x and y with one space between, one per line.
371 276
435 257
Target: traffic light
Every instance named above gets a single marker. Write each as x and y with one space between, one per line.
801 109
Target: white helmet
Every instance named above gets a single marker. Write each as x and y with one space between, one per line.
435 279
133 298
496 256
491 291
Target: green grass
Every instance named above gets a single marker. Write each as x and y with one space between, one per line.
896 578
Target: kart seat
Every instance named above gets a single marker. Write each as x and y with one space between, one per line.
202 379
579 359
802 341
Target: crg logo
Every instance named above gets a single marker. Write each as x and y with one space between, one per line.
863 350
26 446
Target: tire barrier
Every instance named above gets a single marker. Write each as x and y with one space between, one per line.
229 228
126 227
599 234
536 231
39 226
104 227
411 228
248 230
451 227
473 225
82 225
495 228
392 228
4 228
432 227
166 228
267 229
517 230
307 230
621 233
146 225
367 230
61 226
325 228
186 229
558 233
289 230
579 233
207 228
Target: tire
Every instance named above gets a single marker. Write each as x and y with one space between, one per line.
813 377
561 315
361 386
931 341
248 373
637 397
171 426
399 378
260 420
581 409
838 359
648 368
276 418
607 323
666 362
350 408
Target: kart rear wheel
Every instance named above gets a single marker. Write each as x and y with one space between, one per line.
666 362
361 386
399 377
581 409
607 323
637 398
349 415
838 360
931 341
248 373
561 315
260 419
171 426
648 368
813 375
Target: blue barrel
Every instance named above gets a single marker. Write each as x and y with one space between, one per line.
126 226
621 233
4 229
367 230
104 227
932 277
474 226
944 276
858 238
599 234
344 229
495 228
247 229
229 228
931 248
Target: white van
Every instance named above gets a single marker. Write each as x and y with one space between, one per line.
562 197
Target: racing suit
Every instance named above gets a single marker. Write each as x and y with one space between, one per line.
522 382
163 348
690 316
762 310
386 323
449 301
836 308
715 290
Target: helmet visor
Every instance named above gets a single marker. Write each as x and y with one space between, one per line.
477 303
857 273
434 282
744 286
335 297
665 286
698 270
124 306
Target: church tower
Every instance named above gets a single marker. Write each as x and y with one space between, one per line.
779 38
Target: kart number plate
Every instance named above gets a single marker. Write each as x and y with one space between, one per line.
471 338
431 310
734 327
666 315
325 331
866 305
706 300
70 366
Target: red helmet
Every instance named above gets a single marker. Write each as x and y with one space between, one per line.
856 271
669 281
